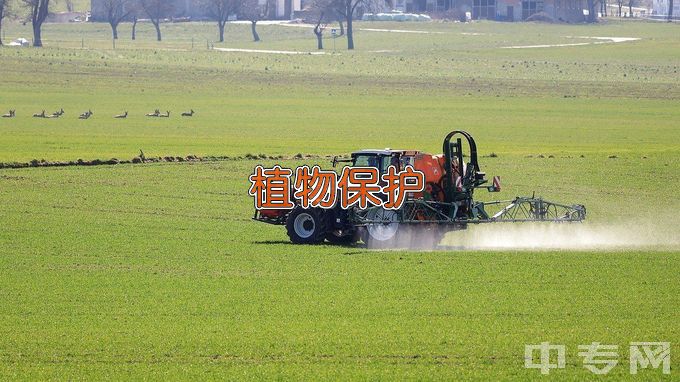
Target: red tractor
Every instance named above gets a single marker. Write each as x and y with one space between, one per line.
445 204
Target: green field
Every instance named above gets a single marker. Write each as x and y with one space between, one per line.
156 271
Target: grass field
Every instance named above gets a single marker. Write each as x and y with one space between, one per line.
156 271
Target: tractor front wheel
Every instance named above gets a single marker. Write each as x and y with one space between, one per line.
306 225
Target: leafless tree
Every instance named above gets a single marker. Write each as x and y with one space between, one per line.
134 26
347 11
253 11
630 8
619 3
319 27
4 12
69 5
592 14
670 10
117 11
39 10
220 10
375 6
157 10
337 6
322 12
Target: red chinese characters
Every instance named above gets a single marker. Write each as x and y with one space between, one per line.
316 188
271 188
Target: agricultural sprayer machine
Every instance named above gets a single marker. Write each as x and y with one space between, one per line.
445 204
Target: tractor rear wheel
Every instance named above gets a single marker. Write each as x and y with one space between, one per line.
383 234
306 225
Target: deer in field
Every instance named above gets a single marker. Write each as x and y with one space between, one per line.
57 114
166 115
189 114
86 115
11 114
39 115
156 113
121 116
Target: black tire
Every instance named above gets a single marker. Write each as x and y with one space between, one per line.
346 238
306 226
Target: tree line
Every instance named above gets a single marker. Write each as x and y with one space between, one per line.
322 12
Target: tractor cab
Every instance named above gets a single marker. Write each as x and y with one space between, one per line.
380 159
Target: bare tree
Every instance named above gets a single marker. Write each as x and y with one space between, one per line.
157 10
630 8
39 10
253 11
670 10
337 5
322 12
69 5
4 12
220 10
117 11
375 6
619 3
341 25
334 12
592 15
347 11
134 26
318 31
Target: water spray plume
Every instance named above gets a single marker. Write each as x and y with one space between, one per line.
566 236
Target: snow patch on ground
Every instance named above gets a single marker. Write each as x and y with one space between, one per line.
599 40
269 51
399 31
369 29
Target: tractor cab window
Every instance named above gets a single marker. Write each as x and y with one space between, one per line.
406 160
381 162
368 160
390 161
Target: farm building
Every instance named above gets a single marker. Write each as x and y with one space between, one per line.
194 9
502 10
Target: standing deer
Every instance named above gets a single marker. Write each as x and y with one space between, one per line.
189 114
121 116
11 114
